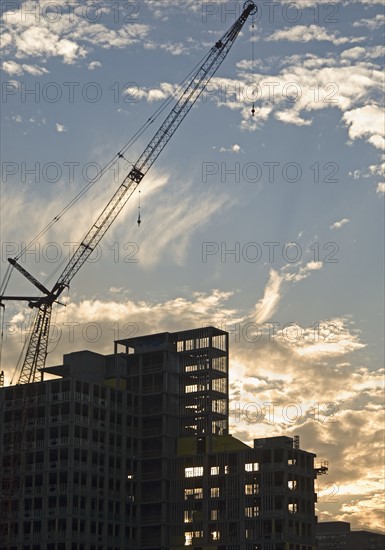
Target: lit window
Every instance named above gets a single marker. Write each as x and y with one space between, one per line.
215 535
252 467
251 489
193 493
214 470
214 492
189 344
188 516
214 515
251 511
190 535
197 471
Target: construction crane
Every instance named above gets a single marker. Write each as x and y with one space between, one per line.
36 349
36 352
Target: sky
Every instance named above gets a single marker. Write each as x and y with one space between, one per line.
269 226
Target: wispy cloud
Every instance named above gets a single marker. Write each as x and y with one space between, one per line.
267 306
339 224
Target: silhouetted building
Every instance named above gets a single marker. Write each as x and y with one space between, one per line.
132 451
336 535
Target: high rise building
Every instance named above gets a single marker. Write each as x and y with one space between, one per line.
132 451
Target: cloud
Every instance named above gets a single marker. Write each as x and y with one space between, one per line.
267 306
176 223
60 128
94 65
339 224
302 33
303 272
354 87
363 53
376 22
333 338
233 149
367 122
381 188
28 34
13 68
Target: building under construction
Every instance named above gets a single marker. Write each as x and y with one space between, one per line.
132 451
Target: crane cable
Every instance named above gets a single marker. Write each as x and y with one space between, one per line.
81 193
253 62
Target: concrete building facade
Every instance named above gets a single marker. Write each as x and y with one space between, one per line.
132 451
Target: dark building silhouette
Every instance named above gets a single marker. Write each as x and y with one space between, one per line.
336 535
132 451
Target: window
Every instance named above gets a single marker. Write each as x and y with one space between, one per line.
188 516
214 492
190 535
214 471
251 489
197 492
251 511
252 467
215 535
196 471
